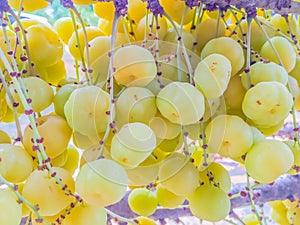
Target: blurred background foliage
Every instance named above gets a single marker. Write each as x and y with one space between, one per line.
55 11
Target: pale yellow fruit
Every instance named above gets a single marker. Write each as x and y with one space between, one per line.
55 132
41 188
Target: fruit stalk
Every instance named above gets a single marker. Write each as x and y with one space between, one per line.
120 218
18 126
21 199
251 197
38 140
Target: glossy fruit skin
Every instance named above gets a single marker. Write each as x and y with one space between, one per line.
29 5
133 144
40 93
234 95
209 203
72 161
261 166
84 214
145 173
212 75
258 38
86 110
64 28
296 152
104 10
10 210
142 201
136 9
52 74
176 9
175 98
263 110
271 72
61 97
216 174
137 69
55 132
16 164
285 51
229 48
228 135
168 199
101 182
92 32
135 104
4 137
99 55
3 107
206 31
142 29
178 175
295 72
40 188
40 39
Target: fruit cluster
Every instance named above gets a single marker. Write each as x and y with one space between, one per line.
159 89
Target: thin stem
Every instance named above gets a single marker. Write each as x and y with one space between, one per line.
293 216
239 39
237 23
85 35
281 33
269 41
10 96
218 23
156 39
183 48
72 12
256 185
295 125
237 195
20 8
264 216
248 57
204 144
77 70
131 27
121 218
288 86
238 218
147 22
11 99
125 29
20 197
200 14
111 80
25 41
193 20
252 201
195 24
152 22
14 63
179 71
185 142
23 97
8 22
293 36
230 221
41 154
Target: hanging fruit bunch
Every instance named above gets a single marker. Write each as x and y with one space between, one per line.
159 89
